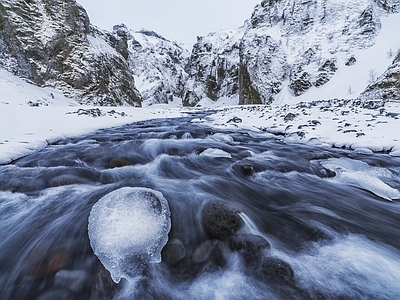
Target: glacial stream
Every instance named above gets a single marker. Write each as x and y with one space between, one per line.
250 218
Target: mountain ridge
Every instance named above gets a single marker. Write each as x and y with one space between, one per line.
286 52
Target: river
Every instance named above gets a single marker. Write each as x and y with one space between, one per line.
315 223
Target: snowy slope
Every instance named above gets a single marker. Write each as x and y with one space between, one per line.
349 81
31 117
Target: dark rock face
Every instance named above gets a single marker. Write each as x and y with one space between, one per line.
387 86
52 43
249 246
391 6
220 221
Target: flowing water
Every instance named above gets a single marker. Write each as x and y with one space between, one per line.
317 223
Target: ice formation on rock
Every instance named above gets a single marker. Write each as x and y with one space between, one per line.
128 228
364 176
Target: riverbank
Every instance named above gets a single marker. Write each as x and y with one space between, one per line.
32 117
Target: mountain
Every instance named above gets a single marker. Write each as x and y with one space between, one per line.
213 67
52 43
290 50
158 65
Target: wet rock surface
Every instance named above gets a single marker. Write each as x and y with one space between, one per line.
220 221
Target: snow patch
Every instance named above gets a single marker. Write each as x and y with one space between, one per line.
215 153
360 174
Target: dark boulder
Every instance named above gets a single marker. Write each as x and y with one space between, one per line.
247 170
220 221
272 269
119 162
249 246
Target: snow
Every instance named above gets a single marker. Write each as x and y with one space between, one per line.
127 225
360 174
215 153
26 129
349 81
350 124
336 123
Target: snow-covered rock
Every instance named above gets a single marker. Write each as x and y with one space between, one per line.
213 67
289 50
53 44
157 64
387 86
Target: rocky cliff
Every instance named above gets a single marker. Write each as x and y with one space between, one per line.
52 43
387 86
158 65
213 67
286 48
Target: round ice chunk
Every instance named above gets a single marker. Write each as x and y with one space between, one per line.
215 153
128 228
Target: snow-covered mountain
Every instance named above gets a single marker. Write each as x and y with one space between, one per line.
158 64
289 50
53 44
213 67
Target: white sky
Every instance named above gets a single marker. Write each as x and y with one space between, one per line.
176 20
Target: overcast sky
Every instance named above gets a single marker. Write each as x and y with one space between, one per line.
176 20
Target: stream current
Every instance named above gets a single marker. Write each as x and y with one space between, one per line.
317 223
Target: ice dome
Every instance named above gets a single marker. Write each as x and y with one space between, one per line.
128 228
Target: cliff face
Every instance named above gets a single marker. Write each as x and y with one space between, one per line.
158 65
52 43
286 46
213 67
387 86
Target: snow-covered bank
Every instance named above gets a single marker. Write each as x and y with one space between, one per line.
31 117
370 126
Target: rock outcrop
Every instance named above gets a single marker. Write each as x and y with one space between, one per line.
387 86
51 43
213 67
159 65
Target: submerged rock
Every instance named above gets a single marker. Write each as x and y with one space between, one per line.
119 162
248 245
74 280
272 269
173 252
